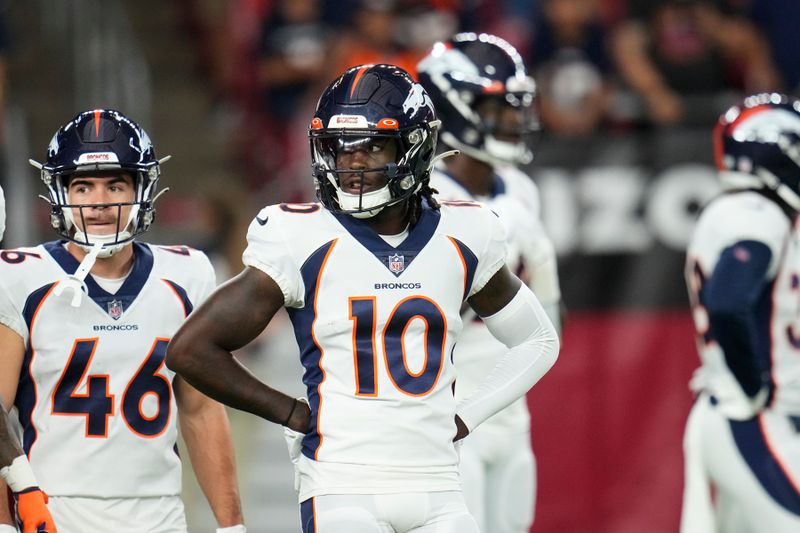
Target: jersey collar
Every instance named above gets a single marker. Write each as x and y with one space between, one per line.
392 257
130 289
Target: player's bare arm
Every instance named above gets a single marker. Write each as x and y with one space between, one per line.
14 466
10 364
9 447
229 319
500 289
206 431
9 450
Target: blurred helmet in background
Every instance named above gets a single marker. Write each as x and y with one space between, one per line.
484 97
757 146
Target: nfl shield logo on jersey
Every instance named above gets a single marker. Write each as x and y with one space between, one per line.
115 309
397 263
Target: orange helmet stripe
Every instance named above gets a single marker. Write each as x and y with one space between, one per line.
97 123
358 78
723 129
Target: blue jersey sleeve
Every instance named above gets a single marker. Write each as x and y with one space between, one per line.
736 298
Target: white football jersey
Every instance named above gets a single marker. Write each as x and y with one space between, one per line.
515 199
95 400
376 325
729 219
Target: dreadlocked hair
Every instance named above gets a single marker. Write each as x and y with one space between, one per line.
426 192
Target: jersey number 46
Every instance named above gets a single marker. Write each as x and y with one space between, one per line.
97 404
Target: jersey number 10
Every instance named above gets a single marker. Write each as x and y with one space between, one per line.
420 383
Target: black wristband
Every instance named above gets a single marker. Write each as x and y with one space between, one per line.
294 406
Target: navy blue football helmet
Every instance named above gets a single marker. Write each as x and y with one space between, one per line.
105 141
373 104
757 146
471 79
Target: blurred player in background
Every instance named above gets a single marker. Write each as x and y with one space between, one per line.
373 278
15 470
742 440
484 97
84 326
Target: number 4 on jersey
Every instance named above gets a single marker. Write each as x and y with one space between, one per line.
96 404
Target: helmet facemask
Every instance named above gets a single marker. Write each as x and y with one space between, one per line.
100 143
397 174
67 218
378 110
508 124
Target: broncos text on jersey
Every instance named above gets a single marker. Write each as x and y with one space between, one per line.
95 400
376 325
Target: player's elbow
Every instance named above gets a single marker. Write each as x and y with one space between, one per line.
551 346
179 358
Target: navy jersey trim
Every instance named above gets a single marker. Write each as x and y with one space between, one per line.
307 518
738 298
752 444
180 292
310 352
25 399
142 266
470 265
395 259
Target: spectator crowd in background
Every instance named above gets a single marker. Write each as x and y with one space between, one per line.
603 68
613 64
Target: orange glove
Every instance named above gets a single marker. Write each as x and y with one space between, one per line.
33 513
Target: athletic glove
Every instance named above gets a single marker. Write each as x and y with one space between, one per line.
33 513
31 501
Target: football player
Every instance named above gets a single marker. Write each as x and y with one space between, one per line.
84 325
16 471
484 96
373 277
742 439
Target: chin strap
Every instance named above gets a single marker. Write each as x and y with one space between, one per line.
75 281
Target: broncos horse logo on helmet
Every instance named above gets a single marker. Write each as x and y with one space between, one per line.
101 140
374 103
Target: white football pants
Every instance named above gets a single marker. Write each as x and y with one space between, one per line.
120 515
416 512
498 477
753 467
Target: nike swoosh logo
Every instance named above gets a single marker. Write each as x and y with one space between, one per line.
262 221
